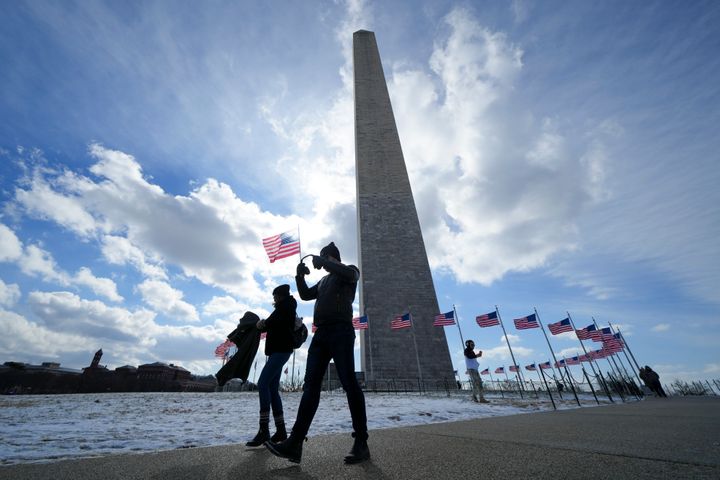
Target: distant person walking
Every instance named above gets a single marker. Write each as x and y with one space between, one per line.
334 339
653 381
278 348
472 370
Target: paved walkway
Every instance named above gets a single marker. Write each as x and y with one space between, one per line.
672 438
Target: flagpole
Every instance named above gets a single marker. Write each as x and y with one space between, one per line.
417 355
292 377
457 322
541 374
512 355
492 380
607 391
547 339
625 344
616 370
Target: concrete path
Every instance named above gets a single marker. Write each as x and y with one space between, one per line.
670 438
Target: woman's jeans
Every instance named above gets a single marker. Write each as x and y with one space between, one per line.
269 383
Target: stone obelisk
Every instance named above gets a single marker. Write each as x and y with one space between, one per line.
395 273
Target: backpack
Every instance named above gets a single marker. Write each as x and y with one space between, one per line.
300 333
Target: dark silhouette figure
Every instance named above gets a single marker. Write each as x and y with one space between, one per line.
334 340
246 338
278 348
652 380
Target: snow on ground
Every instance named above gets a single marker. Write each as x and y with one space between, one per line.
51 427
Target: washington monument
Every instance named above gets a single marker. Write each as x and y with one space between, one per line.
394 267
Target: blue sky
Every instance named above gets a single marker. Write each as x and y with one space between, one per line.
563 156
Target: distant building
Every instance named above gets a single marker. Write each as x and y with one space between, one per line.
49 377
22 378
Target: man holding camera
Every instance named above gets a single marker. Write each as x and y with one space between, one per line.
334 340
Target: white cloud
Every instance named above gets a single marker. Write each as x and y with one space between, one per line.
225 305
661 327
713 368
9 293
21 335
69 324
168 300
119 251
101 286
39 262
10 245
465 143
569 352
57 204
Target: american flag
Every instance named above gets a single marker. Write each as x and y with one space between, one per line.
615 340
514 368
500 370
545 366
587 333
222 349
560 363
526 322
487 320
560 327
485 372
281 246
401 321
597 354
603 335
444 319
572 360
532 367
360 323
585 358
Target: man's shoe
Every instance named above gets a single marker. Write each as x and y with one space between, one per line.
261 437
290 448
359 452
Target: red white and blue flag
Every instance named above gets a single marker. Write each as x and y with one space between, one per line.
485 372
487 320
444 319
401 321
560 363
281 246
221 350
514 368
360 323
572 360
588 332
560 327
500 370
603 335
532 367
526 322
545 366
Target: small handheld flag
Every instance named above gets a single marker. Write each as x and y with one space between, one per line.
282 245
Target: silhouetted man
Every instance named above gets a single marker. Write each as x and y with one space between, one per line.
334 340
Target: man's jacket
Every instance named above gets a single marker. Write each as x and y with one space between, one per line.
334 292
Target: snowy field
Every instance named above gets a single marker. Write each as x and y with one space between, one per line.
37 428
